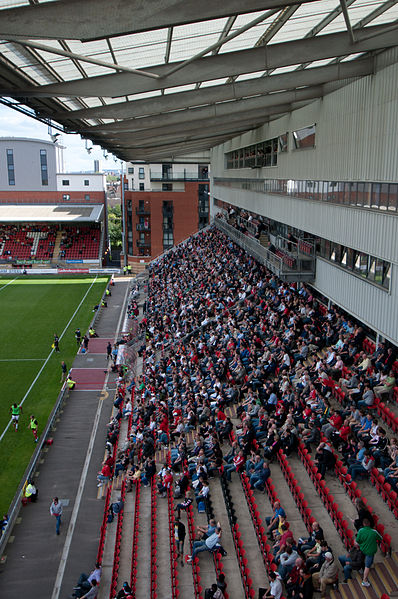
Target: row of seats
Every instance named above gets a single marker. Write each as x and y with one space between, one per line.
333 508
80 243
116 555
175 591
134 549
195 562
104 525
337 516
154 576
286 259
239 549
305 247
265 547
384 489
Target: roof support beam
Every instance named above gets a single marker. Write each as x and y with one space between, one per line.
346 16
223 40
77 57
221 65
220 93
224 110
101 18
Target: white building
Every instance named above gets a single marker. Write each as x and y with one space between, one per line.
29 164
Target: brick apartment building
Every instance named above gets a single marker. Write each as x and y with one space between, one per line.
164 204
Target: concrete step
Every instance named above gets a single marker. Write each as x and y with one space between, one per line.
389 581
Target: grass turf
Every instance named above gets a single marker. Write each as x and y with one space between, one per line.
32 309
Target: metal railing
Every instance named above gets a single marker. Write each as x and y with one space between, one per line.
178 176
300 270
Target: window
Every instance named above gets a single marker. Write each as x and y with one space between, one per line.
167 187
10 167
130 170
65 182
86 182
43 167
283 142
141 173
66 197
168 240
304 138
142 187
87 197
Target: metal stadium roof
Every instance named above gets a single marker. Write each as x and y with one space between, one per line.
158 79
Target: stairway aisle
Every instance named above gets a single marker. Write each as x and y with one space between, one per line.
231 565
249 538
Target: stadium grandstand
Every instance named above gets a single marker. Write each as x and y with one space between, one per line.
48 218
229 430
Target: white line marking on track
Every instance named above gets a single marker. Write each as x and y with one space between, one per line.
9 283
82 482
48 357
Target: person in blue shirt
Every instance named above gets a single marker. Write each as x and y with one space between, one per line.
273 521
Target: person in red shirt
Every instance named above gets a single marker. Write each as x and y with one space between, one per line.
334 424
104 475
237 464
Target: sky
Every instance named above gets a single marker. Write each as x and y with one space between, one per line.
76 158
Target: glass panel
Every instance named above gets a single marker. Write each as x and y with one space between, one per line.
379 271
393 197
386 274
304 138
360 194
383 204
372 268
347 189
353 194
376 189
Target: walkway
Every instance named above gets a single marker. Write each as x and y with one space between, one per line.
39 563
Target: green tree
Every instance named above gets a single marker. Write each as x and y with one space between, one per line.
115 226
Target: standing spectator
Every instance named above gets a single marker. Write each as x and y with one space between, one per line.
108 351
78 337
179 535
366 540
56 511
85 343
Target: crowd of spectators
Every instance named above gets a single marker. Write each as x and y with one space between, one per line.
223 331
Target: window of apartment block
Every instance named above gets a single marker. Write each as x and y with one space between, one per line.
43 167
66 197
86 182
87 197
167 187
141 173
142 187
65 182
130 170
10 167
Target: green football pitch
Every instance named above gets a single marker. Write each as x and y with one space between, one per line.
33 309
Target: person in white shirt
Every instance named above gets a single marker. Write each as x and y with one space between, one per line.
275 588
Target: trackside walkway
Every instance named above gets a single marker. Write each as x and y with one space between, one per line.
38 563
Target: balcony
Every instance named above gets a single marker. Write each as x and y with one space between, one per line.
143 244
143 227
181 176
143 211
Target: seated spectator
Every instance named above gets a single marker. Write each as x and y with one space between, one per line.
209 544
353 561
275 589
327 575
273 521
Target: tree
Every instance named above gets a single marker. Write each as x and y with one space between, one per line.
115 226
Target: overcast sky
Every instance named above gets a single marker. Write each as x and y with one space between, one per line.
76 158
